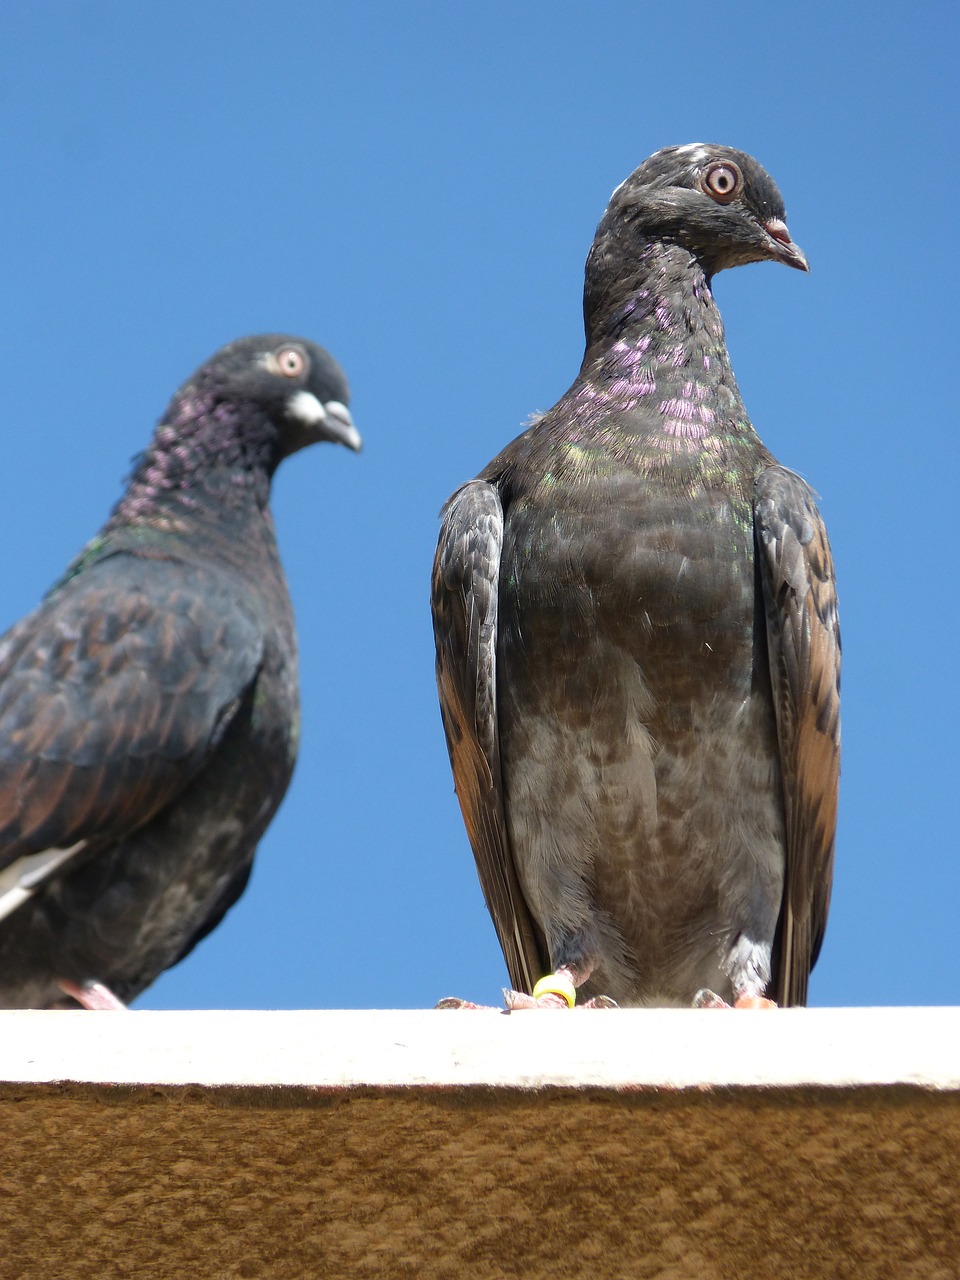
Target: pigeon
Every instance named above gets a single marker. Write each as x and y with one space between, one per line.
149 704
637 642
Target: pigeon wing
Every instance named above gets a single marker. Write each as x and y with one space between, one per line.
113 692
803 638
464 598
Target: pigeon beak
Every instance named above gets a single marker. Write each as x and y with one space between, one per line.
784 250
330 421
339 425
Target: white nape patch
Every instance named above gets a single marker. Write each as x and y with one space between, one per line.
22 878
305 406
698 152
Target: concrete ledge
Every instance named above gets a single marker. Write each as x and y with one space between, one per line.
668 1144
607 1049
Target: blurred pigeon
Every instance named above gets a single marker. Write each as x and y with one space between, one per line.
637 643
149 705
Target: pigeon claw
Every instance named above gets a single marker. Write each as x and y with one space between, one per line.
454 1002
92 995
707 999
600 1002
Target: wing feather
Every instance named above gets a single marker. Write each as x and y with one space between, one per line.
803 638
112 693
465 586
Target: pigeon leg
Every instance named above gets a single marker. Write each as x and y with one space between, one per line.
748 967
92 995
558 990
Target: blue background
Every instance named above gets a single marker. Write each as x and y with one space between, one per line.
416 186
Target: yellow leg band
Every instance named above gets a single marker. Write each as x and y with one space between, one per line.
558 985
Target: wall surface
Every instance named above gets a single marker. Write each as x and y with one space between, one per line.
535 1145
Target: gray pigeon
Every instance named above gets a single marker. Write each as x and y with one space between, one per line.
149 706
638 654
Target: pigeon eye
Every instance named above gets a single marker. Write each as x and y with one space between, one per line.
291 362
723 181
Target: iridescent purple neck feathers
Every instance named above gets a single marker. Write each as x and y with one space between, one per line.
207 453
656 362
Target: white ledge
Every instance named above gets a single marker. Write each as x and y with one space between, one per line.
605 1049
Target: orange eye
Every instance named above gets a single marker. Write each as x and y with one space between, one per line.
723 181
291 362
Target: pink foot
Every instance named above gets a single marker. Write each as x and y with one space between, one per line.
454 1002
554 991
520 1000
92 995
551 1000
707 999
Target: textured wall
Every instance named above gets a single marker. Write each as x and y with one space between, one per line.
708 1185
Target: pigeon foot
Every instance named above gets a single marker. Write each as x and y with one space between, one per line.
558 990
454 1002
92 995
520 1000
707 999
552 1000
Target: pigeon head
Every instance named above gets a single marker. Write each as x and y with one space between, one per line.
229 426
718 203
287 386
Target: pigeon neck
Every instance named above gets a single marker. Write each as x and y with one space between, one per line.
649 311
656 368
208 462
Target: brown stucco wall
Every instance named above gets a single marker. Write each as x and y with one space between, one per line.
478 1182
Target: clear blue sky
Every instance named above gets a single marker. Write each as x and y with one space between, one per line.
416 186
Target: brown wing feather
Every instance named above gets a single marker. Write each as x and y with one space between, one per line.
111 694
803 636
464 599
